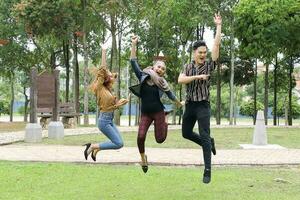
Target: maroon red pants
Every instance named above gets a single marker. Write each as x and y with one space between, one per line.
160 128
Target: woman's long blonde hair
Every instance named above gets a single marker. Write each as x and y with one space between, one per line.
100 76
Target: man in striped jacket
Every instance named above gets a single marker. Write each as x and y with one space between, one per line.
196 77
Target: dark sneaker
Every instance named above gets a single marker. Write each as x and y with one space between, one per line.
213 147
145 168
206 176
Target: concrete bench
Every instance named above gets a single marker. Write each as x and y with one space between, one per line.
65 110
68 114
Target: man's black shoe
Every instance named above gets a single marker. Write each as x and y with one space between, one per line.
206 176
213 147
145 168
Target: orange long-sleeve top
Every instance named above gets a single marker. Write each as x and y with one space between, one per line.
105 99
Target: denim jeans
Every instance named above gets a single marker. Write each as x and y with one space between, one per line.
200 112
109 129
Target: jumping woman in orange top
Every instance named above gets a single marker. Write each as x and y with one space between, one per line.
107 102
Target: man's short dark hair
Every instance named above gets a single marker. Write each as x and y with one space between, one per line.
199 43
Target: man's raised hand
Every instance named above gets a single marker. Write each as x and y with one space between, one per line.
104 46
134 39
218 19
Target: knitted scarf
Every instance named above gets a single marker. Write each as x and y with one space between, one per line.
155 79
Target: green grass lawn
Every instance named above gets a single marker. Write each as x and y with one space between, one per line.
226 138
90 181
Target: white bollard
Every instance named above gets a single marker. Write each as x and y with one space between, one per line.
33 132
55 130
260 133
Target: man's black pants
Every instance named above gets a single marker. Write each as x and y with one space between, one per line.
198 111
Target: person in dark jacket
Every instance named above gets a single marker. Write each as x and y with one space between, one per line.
151 88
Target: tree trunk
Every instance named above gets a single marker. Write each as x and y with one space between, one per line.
138 112
55 113
198 32
275 93
218 107
255 93
33 95
174 86
52 60
266 99
202 32
286 113
182 64
174 109
190 56
67 65
119 67
138 100
231 79
26 99
181 109
12 98
85 83
114 62
76 77
85 72
236 104
130 98
156 32
290 114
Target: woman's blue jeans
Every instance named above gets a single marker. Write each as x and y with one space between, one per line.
109 129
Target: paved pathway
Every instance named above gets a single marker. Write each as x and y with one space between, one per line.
158 156
10 137
7 138
130 155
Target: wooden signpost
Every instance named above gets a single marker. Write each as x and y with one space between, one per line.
45 90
